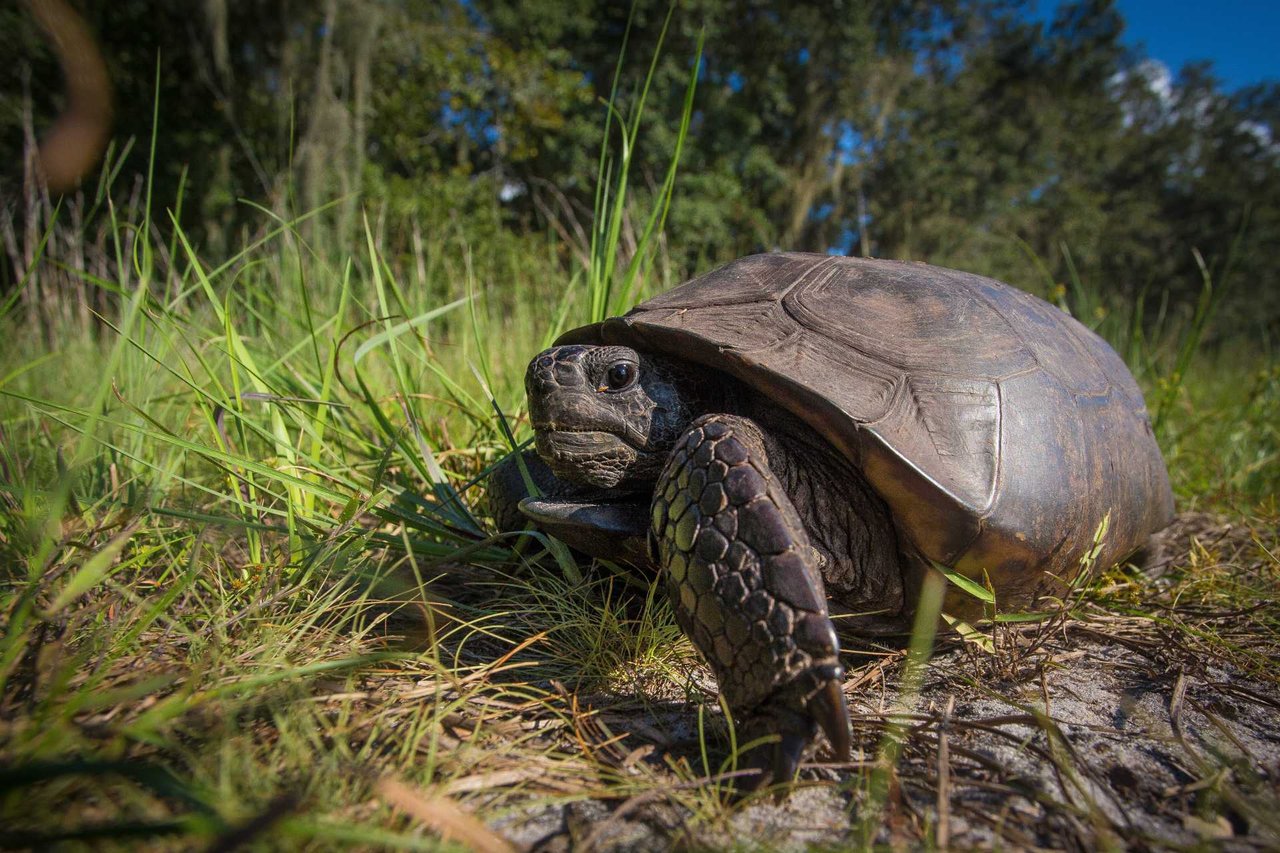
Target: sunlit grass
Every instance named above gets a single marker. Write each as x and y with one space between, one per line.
251 572
251 588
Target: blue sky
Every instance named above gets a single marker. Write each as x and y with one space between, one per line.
1241 37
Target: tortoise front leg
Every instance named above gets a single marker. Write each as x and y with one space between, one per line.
595 523
746 588
507 488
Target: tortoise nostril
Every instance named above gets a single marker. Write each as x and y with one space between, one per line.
551 370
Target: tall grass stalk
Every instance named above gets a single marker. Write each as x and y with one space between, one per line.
247 572
611 292
919 649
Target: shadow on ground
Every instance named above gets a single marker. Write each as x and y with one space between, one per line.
1147 718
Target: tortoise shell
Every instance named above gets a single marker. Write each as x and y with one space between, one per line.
999 431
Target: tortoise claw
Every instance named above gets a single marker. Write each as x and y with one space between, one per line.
829 709
794 714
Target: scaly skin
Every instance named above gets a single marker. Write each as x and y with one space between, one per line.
737 491
745 585
507 488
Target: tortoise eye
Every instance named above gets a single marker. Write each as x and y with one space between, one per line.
620 375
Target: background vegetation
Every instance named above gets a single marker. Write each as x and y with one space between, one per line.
251 376
958 132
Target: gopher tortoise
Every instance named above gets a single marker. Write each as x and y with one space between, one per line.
794 428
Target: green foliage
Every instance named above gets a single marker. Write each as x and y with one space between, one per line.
246 569
612 290
953 131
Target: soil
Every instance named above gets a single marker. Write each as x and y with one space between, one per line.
1109 730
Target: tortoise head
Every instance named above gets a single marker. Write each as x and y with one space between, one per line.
603 416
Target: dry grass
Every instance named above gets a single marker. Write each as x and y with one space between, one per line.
250 595
327 715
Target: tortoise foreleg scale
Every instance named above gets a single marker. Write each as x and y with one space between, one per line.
745 585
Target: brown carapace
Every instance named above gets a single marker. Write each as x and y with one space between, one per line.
839 425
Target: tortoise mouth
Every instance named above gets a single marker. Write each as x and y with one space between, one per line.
589 457
576 438
583 436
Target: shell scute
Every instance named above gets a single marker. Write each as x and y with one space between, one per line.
998 430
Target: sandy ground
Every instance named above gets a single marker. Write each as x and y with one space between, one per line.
1109 731
1129 753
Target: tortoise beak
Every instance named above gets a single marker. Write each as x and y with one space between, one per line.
573 443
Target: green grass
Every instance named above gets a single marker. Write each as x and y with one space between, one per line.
251 589
249 579
250 576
